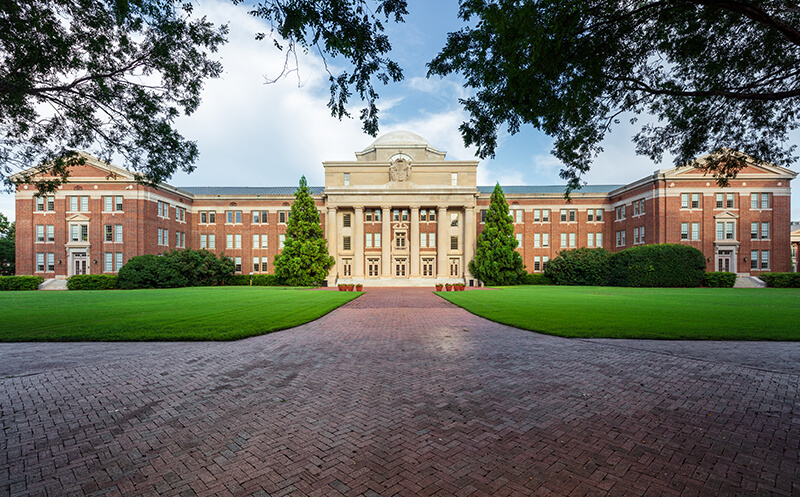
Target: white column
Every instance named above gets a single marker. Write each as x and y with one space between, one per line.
358 234
413 241
469 239
442 243
333 245
386 241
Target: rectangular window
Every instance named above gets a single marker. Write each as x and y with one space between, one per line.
264 264
765 259
109 232
754 201
754 231
51 204
572 237
166 237
108 262
545 260
368 215
483 215
590 215
40 262
160 236
453 179
431 240
545 239
40 204
346 220
51 262
454 219
537 263
684 231
599 215
405 214
423 240
518 215
572 215
764 230
622 210
641 234
264 242
238 216
537 240
256 264
729 231
599 239
720 231
118 233
203 241
84 204
519 240
729 201
563 240
684 200
695 200
454 243
563 215
754 259
537 215
400 240
118 202
346 243
368 242
346 179
237 241
256 217
590 240
635 210
636 235
40 233
765 204
264 218
73 204
255 242
212 241
203 217
720 200
431 215
212 217
695 231
228 241
546 215
51 233
118 261
396 215
229 217
108 204
238 263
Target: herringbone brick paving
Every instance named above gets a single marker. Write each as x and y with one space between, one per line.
396 393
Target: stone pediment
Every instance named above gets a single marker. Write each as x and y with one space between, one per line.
753 167
77 218
726 215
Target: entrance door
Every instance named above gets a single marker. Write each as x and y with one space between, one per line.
400 267
724 261
79 263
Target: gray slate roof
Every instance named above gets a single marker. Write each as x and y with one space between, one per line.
529 189
248 190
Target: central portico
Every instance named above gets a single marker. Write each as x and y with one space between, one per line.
400 214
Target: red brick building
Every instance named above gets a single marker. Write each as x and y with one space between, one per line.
402 214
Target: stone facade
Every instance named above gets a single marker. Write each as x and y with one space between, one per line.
400 214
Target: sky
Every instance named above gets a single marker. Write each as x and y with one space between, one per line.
255 134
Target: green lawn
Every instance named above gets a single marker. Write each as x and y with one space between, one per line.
210 313
664 313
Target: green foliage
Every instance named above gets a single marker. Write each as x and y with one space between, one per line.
7 246
716 74
201 267
264 280
665 265
349 29
107 75
719 279
781 280
534 279
150 271
583 266
18 283
238 280
92 282
304 260
496 262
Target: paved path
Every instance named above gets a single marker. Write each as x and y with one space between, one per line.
400 393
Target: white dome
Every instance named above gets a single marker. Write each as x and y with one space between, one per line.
400 139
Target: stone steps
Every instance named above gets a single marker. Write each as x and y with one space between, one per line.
54 284
749 282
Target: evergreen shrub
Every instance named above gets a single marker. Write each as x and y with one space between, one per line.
664 265
20 283
719 279
264 280
534 279
92 282
781 280
582 266
150 271
496 263
238 280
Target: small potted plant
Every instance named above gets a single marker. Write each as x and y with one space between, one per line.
342 287
350 287
462 287
448 287
439 287
359 287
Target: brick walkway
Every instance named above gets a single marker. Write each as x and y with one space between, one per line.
399 393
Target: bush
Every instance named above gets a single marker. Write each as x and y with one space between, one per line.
583 266
719 279
238 280
534 279
19 283
92 282
150 271
665 265
201 267
264 280
781 280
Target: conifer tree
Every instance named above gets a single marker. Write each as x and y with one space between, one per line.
304 260
496 262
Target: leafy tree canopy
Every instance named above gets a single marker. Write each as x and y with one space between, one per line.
7 246
496 262
304 260
715 73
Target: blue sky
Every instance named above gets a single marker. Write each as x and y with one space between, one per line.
256 134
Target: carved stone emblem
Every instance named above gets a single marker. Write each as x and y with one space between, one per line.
400 169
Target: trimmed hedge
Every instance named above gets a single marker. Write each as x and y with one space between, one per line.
264 280
238 280
664 265
583 266
719 279
19 283
92 282
781 280
534 279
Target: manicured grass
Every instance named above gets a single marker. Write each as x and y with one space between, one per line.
212 313
663 313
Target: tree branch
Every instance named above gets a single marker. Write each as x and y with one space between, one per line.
756 14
